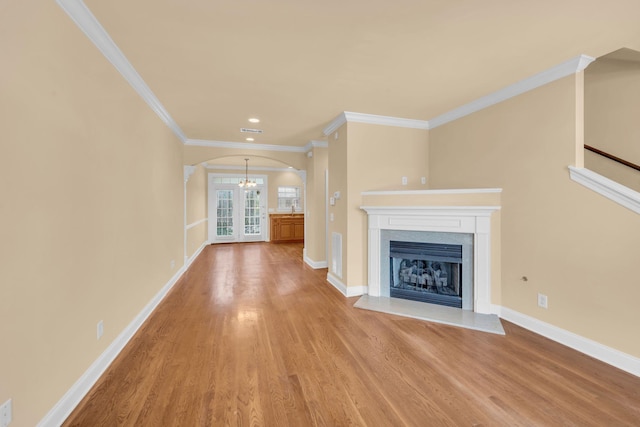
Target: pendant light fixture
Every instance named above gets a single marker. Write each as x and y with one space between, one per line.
246 183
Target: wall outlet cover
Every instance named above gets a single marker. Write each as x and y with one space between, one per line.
6 413
542 301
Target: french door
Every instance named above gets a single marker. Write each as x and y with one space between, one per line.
236 214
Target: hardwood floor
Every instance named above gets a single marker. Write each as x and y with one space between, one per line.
252 336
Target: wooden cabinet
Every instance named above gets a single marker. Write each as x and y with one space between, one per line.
287 228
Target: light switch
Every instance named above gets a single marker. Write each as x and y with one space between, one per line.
331 217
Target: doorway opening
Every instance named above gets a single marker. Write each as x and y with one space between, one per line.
237 214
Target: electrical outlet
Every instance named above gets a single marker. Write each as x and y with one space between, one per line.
100 329
6 413
542 300
404 180
173 264
423 180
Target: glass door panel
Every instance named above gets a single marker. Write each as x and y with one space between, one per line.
252 213
224 213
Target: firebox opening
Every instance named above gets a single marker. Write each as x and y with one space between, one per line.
426 272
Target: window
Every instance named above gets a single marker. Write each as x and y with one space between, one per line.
289 196
233 180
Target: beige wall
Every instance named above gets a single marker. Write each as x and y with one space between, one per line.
574 245
338 172
196 210
315 216
379 156
612 111
91 194
374 157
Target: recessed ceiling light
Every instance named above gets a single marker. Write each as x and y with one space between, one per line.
254 120
250 139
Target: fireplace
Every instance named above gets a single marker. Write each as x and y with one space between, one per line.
426 272
468 226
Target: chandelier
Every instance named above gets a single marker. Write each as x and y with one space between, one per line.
246 183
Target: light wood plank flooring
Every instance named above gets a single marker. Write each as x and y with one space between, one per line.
251 336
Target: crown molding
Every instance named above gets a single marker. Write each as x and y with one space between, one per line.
245 145
91 27
567 68
87 22
335 124
348 116
386 120
318 144
210 166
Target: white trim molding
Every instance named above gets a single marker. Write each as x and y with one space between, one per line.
335 124
316 144
612 190
337 283
386 120
311 263
565 69
188 171
429 192
195 255
475 220
59 413
373 119
347 291
195 224
87 22
245 145
584 345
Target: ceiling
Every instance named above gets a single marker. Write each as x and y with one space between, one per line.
297 64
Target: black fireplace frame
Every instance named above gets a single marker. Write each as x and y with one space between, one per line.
427 253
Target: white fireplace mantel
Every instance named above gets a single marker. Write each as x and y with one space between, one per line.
447 219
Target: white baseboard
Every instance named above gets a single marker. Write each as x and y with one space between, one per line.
347 291
495 309
193 257
584 345
59 413
337 283
311 263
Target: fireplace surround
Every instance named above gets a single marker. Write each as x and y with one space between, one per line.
449 222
